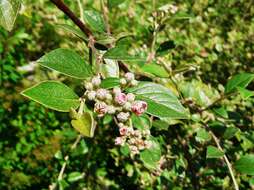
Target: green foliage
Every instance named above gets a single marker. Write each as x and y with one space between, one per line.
245 164
202 59
8 13
54 95
67 62
161 101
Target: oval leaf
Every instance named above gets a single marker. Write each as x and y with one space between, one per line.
54 95
8 13
120 53
213 152
245 164
240 80
161 101
95 21
67 62
84 123
150 157
75 176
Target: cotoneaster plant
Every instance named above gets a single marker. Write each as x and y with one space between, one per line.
133 97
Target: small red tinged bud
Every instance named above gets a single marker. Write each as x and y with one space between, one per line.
121 98
139 107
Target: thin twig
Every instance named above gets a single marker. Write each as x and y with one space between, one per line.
217 142
60 4
66 159
81 14
105 12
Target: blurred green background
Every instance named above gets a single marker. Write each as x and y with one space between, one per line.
217 37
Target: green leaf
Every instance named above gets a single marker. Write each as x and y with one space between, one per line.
221 112
110 83
67 62
62 184
213 152
165 47
54 95
240 80
75 176
202 135
94 20
160 125
110 68
73 30
150 157
230 132
161 101
120 53
84 124
141 122
114 3
8 13
245 94
245 164
155 69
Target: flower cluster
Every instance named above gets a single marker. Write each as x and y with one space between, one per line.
121 105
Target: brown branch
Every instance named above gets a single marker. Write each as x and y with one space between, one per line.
60 4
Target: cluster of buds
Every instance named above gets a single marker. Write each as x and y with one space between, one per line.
135 139
120 105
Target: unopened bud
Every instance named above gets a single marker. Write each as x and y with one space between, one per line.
100 108
139 107
88 85
96 81
123 131
111 110
120 98
127 106
130 97
129 76
123 116
119 141
116 90
134 83
123 82
101 93
91 95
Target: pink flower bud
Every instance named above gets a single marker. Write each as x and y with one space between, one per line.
100 108
120 98
139 107
123 131
119 141
88 85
